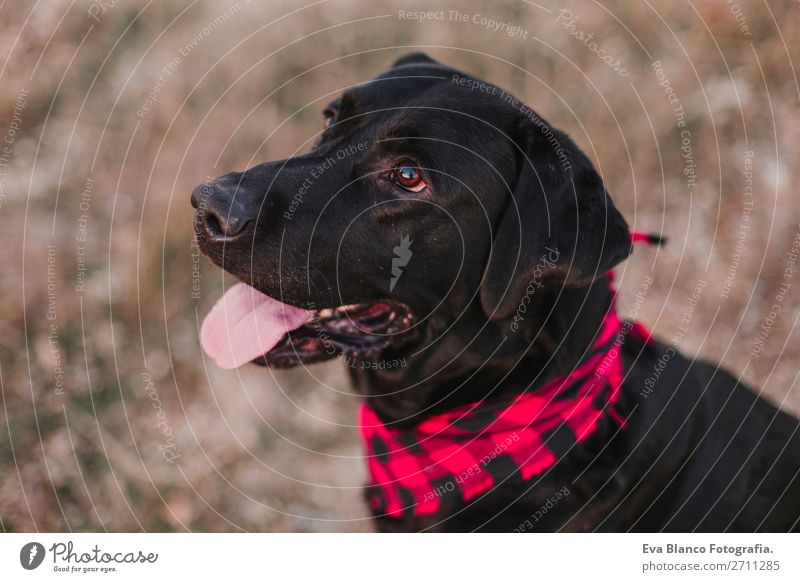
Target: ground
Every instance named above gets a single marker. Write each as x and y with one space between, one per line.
112 111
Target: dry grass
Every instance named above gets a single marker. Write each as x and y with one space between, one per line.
275 452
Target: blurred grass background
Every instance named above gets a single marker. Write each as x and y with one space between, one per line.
102 377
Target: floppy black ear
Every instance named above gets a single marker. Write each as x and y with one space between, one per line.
559 227
414 59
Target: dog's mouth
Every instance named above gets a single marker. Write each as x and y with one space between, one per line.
248 326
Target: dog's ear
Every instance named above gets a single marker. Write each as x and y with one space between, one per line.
559 227
414 59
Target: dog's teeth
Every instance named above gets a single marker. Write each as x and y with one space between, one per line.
327 312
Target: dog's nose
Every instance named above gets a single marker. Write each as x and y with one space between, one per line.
219 217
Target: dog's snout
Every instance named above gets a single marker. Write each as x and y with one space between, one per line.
220 217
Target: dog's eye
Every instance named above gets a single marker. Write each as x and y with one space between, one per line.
330 118
408 176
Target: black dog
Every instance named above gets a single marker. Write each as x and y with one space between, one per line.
455 248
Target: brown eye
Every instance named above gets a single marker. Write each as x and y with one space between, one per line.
408 176
330 119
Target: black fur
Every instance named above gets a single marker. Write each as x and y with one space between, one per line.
701 451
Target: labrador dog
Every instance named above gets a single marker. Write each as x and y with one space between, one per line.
455 250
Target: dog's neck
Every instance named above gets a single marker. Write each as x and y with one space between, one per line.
546 342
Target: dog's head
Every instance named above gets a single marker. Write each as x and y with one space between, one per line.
430 198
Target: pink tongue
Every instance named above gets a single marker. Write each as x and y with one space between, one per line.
245 324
